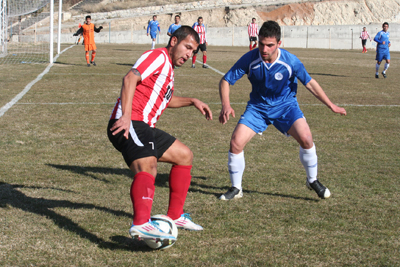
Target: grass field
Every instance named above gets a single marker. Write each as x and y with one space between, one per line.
64 190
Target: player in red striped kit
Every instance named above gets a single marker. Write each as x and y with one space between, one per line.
146 91
364 37
252 29
201 30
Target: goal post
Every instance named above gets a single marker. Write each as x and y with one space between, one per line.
26 32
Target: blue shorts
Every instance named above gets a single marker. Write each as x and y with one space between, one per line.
153 35
281 117
382 55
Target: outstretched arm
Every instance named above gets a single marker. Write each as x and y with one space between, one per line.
317 91
98 29
127 91
179 102
78 32
226 105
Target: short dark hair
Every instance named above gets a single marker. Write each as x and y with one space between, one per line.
178 16
199 18
385 23
184 31
270 28
253 18
88 17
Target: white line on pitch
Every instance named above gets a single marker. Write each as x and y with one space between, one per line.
7 106
217 71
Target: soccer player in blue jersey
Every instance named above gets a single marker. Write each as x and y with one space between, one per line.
382 49
273 74
174 26
152 28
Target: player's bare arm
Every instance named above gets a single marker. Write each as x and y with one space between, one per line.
225 102
127 91
179 102
319 93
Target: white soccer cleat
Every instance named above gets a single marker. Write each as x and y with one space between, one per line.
185 222
321 190
232 193
149 230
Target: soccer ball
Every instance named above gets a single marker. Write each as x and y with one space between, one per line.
167 225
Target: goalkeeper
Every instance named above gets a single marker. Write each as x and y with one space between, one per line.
88 30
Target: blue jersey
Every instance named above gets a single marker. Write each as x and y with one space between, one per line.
173 28
153 26
273 84
381 37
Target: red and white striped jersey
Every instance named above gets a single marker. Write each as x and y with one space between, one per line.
202 33
154 92
365 35
253 30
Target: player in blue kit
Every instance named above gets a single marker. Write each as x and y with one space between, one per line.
173 27
273 74
382 49
153 27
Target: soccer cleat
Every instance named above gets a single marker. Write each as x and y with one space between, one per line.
321 190
384 74
88 65
185 222
149 230
94 63
377 76
205 66
193 66
232 193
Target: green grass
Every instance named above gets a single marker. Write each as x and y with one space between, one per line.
64 190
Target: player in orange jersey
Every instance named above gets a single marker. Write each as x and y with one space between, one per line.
88 30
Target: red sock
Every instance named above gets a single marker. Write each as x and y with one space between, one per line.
179 182
194 59
87 57
93 55
250 47
142 193
204 59
254 46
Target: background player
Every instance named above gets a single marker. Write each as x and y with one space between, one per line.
173 27
252 29
152 28
146 91
201 30
364 37
382 49
88 30
273 74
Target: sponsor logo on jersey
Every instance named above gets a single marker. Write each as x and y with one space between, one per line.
278 76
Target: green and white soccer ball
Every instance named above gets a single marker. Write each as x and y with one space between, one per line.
167 225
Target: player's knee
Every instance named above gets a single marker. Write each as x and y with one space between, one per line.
235 146
186 157
306 141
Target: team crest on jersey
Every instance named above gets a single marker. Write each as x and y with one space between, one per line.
278 76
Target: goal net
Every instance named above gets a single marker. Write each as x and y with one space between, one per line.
24 31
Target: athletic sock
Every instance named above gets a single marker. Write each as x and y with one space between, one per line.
254 46
377 68
250 47
204 59
142 194
386 67
309 159
194 59
153 44
179 182
236 165
93 56
87 57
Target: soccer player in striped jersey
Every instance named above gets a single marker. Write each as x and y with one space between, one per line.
364 37
253 33
152 28
147 90
201 30
88 29
273 74
382 49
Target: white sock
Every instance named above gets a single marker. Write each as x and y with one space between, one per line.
153 44
236 166
386 67
377 68
309 159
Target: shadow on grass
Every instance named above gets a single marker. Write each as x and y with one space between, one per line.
225 188
124 64
328 74
10 196
67 64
